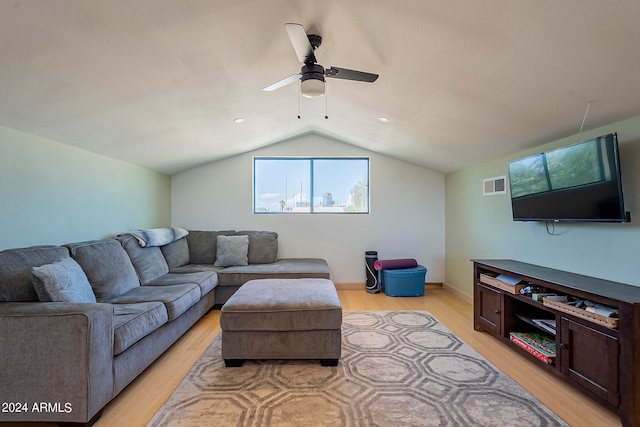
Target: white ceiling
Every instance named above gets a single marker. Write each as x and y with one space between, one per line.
159 83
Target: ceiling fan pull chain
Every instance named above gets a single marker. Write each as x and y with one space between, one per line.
299 100
326 101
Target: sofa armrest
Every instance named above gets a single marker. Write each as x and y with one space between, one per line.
56 361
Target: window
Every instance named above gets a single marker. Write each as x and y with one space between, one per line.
310 185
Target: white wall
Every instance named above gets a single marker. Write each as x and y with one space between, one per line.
52 193
406 219
482 227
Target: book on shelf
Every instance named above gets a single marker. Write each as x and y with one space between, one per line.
539 345
539 340
548 325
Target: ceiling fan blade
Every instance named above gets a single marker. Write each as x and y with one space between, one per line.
346 74
287 80
300 42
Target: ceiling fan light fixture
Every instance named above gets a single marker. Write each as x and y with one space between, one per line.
312 88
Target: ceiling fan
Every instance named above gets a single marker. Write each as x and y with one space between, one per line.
312 74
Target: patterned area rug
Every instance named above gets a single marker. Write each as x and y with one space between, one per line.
398 368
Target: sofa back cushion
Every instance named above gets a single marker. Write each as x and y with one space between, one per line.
148 261
176 253
202 245
107 267
15 270
263 246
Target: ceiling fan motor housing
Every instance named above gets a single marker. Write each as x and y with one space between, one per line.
312 72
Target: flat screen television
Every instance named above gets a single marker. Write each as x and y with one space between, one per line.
577 183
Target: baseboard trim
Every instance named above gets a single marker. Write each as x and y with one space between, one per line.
457 292
350 286
358 286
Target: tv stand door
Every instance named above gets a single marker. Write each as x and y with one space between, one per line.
589 359
488 309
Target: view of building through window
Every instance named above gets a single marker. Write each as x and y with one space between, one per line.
310 185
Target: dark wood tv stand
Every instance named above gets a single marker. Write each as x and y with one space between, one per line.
599 360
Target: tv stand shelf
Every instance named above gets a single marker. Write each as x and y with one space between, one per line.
529 320
601 361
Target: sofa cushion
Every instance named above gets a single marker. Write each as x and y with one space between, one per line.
15 270
202 245
206 280
263 246
133 322
148 261
176 253
107 267
232 250
196 268
62 281
286 268
176 298
283 305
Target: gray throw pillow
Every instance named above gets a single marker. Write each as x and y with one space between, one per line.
232 250
62 281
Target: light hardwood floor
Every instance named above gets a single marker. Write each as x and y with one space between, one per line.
137 404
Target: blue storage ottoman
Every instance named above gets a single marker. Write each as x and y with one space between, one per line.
405 282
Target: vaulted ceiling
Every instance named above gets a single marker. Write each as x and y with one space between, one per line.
159 83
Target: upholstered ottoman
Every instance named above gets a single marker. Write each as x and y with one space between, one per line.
282 319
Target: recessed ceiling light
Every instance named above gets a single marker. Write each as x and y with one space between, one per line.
239 120
384 119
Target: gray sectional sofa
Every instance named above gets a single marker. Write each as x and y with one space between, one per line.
79 322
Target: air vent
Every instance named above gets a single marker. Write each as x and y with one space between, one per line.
495 185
